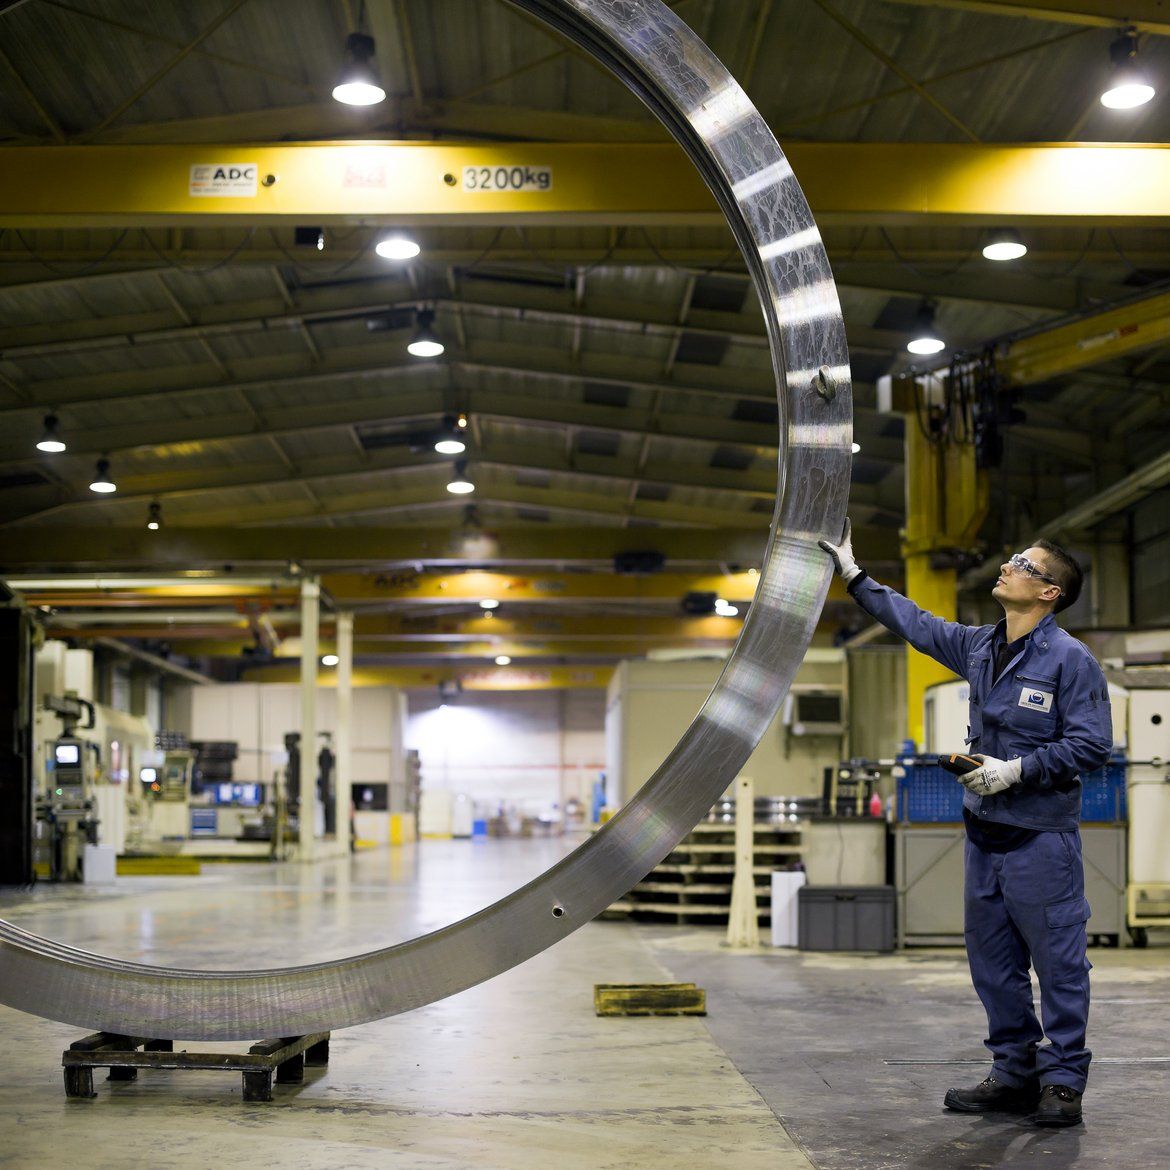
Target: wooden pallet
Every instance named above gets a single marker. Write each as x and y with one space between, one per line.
283 1059
649 999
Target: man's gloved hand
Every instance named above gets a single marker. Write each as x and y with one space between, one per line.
842 554
992 776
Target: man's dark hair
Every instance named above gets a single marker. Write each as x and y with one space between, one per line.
1065 570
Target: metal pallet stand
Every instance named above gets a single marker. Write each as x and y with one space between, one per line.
125 1055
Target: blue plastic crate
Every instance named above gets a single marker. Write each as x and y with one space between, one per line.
1103 793
928 794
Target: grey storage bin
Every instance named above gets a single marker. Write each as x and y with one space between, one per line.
846 918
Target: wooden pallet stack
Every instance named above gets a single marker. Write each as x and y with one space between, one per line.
693 885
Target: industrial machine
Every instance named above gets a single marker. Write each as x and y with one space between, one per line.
326 761
1148 888
66 819
166 788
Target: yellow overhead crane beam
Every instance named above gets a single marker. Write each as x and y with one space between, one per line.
486 647
1152 16
543 588
470 678
433 629
564 183
24 549
1088 341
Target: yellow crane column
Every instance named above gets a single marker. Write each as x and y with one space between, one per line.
946 502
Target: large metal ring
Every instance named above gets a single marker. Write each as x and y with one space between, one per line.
682 82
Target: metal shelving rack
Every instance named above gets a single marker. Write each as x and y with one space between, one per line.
693 884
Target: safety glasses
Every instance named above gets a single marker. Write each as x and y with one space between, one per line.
1021 564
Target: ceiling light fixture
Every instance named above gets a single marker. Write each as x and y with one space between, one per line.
397 247
426 343
856 448
103 482
1004 244
449 441
329 660
154 516
489 603
926 340
1129 86
724 608
460 484
51 440
358 84
503 660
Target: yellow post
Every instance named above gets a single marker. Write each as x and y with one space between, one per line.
946 502
933 589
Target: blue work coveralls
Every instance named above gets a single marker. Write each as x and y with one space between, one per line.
1048 708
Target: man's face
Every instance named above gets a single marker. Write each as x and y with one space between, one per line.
1016 586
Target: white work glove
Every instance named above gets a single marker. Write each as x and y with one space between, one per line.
842 554
993 776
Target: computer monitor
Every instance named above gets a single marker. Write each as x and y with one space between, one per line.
68 754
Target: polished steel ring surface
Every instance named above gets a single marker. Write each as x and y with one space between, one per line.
682 82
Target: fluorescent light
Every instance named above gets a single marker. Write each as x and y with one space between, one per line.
329 660
397 247
358 84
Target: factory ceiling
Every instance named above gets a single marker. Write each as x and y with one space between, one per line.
608 355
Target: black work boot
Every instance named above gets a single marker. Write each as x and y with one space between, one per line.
1059 1105
992 1096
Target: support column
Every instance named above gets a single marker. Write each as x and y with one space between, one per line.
343 741
310 615
947 500
743 921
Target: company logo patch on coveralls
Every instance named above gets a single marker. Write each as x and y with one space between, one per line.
1035 700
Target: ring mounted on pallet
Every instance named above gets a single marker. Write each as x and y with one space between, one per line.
681 81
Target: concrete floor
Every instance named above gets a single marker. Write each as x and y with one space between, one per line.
805 1060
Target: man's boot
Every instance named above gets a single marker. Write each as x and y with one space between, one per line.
992 1096
1059 1105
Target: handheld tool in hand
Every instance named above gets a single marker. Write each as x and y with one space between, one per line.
959 764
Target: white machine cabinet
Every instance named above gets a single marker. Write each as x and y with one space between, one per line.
1148 892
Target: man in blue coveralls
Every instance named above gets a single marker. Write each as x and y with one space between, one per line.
1039 716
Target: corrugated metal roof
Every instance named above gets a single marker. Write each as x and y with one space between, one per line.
579 359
